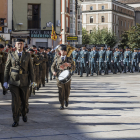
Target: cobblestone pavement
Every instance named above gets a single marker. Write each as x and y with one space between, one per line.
100 108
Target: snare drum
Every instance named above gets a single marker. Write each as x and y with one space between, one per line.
64 76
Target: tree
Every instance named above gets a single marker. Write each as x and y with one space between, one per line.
103 36
131 37
85 36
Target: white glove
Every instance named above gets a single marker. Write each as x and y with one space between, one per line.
5 85
33 84
87 62
112 61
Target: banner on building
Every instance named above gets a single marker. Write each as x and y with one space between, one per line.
72 38
40 34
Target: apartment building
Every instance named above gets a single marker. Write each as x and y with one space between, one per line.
5 21
113 15
33 19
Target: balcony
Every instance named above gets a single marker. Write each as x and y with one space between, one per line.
67 29
67 10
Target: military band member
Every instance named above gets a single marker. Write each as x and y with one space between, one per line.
84 58
135 60
3 57
102 60
93 60
64 89
19 68
109 59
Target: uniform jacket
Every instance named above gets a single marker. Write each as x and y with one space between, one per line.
75 55
94 56
14 66
44 58
102 56
117 56
109 56
58 62
84 56
50 58
135 57
127 56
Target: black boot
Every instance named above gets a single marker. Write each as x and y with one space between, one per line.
61 107
15 124
4 92
24 118
66 104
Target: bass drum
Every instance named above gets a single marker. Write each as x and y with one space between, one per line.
64 76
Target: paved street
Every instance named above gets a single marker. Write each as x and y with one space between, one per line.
101 108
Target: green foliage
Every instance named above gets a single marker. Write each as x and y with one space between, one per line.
131 37
101 36
85 36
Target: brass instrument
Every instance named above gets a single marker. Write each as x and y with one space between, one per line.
70 49
32 56
2 52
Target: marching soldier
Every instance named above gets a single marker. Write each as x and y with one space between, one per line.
109 59
44 58
93 60
75 57
64 89
127 59
102 60
121 58
19 64
117 61
3 57
84 61
50 61
135 60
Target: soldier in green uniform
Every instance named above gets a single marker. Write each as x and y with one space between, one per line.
44 58
102 60
18 70
84 61
50 61
3 57
135 60
93 60
109 59
64 89
117 61
127 59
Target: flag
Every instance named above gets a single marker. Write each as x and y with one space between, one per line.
53 34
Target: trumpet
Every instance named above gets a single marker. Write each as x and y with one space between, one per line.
70 49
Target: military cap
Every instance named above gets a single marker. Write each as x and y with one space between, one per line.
19 40
34 46
116 47
1 46
46 48
135 49
108 46
63 47
38 49
102 45
41 47
84 45
31 50
93 45
49 48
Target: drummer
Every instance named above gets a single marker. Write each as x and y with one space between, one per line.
56 68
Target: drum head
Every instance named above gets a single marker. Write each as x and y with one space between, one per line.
63 75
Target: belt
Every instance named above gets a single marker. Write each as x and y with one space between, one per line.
83 57
101 57
92 57
17 71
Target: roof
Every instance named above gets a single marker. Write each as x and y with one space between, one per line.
129 1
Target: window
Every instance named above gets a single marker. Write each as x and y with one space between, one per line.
91 19
103 19
128 24
103 7
90 31
33 16
91 7
125 24
121 23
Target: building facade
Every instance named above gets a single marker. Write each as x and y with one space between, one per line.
115 16
135 4
6 21
33 20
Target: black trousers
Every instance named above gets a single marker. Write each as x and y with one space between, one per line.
2 81
20 97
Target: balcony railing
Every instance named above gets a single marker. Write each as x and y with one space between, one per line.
67 29
67 10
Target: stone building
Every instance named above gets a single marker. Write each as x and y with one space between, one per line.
113 15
